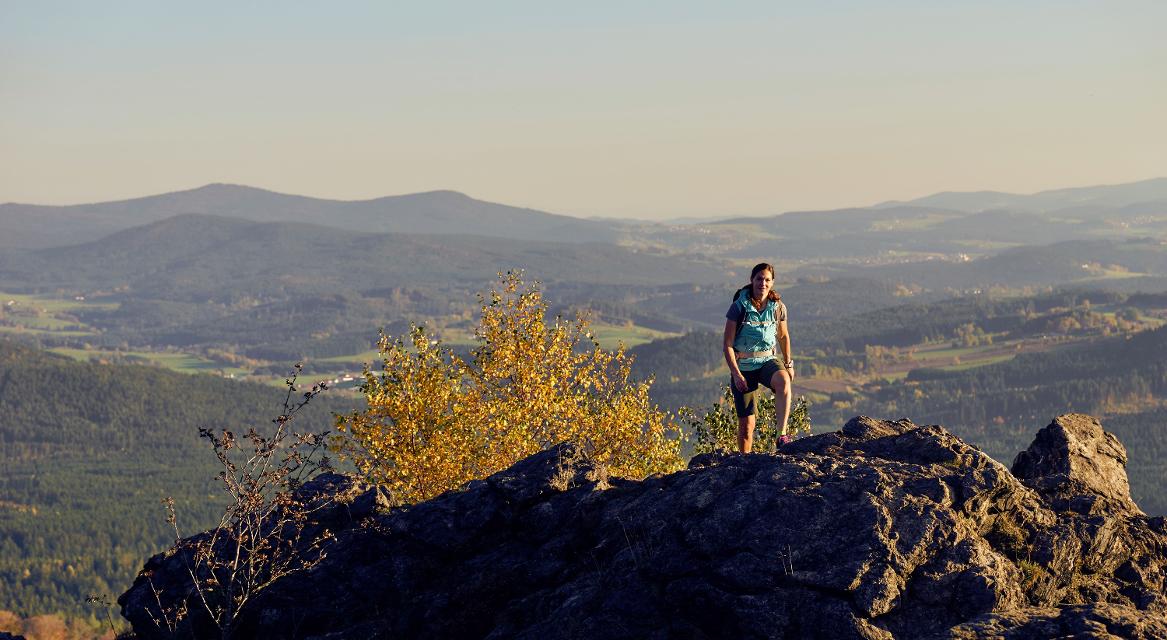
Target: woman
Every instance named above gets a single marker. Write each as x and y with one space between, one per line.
754 325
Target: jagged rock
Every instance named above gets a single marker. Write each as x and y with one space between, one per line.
1073 463
880 530
1080 622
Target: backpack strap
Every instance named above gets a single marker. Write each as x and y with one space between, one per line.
740 321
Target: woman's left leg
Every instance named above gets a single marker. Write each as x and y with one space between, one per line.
745 433
780 383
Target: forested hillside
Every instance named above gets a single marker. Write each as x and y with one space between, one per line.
1000 406
90 450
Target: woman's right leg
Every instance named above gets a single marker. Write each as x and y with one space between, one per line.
745 408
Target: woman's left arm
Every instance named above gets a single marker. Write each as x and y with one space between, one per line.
784 347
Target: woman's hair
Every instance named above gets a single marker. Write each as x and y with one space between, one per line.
762 266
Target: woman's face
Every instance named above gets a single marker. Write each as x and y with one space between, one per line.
763 281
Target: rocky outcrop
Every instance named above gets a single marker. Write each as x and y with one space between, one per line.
880 530
1073 462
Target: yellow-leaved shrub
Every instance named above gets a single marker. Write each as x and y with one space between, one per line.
435 420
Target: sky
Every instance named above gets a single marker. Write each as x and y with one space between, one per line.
634 109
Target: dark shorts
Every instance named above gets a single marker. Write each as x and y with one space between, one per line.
745 403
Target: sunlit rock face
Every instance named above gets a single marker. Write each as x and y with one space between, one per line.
879 530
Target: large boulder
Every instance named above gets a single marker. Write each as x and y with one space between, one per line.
1073 462
879 530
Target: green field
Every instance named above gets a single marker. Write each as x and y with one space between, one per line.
924 355
978 363
909 224
753 230
985 245
896 255
50 304
180 362
18 330
610 336
45 315
1112 274
372 355
49 323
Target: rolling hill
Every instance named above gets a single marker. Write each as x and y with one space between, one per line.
1060 263
195 257
284 291
436 212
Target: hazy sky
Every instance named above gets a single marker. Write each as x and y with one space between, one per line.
644 109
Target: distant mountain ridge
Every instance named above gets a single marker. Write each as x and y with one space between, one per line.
31 226
1102 196
434 212
971 223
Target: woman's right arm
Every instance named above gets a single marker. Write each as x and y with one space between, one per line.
731 359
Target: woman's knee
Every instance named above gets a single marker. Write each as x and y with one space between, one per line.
780 383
